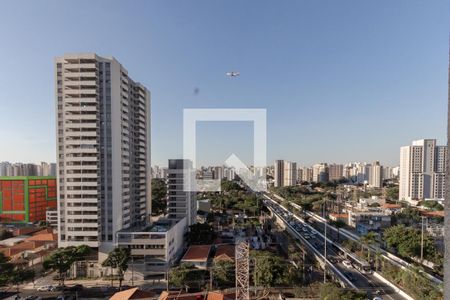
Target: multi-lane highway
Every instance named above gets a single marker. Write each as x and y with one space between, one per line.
346 273
318 222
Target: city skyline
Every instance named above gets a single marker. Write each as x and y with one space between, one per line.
338 85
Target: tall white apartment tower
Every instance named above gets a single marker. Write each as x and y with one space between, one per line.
180 203
103 149
290 173
422 170
376 175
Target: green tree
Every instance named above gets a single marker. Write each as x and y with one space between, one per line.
367 241
271 270
200 234
186 276
406 241
338 224
118 259
224 274
329 291
159 196
62 259
392 193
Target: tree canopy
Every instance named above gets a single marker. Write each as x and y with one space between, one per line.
271 270
406 241
329 291
186 276
62 259
200 234
224 274
118 259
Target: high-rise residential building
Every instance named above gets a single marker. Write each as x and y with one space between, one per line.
300 174
289 173
320 172
422 170
229 173
278 177
335 171
285 173
45 169
26 199
218 173
307 174
375 175
103 150
5 168
180 203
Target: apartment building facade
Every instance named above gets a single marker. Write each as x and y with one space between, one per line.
26 199
103 150
180 203
422 171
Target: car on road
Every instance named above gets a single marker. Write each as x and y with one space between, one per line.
46 288
347 263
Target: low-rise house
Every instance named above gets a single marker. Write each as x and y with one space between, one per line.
365 221
213 295
224 253
133 293
198 255
391 208
339 217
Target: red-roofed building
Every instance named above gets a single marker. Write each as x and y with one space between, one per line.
197 255
225 253
133 293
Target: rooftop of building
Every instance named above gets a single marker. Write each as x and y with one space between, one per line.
26 177
339 215
198 253
212 295
391 206
225 252
133 293
162 225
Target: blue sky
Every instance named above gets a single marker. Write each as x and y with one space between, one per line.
341 80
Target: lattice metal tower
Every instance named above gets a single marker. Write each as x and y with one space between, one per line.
242 271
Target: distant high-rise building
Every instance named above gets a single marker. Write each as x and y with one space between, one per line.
320 172
180 203
289 173
422 170
307 174
285 173
278 173
229 173
45 169
375 177
218 173
103 151
335 171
